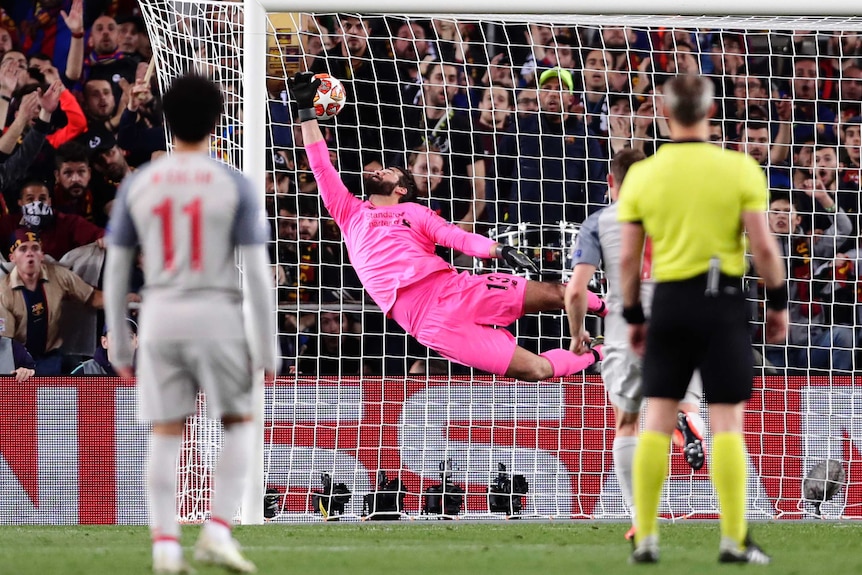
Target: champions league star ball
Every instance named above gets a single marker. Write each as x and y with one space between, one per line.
330 98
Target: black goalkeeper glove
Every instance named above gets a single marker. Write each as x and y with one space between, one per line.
303 86
517 260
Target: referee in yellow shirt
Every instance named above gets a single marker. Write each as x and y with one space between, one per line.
695 200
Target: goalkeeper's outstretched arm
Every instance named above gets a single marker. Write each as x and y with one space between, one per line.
336 197
311 132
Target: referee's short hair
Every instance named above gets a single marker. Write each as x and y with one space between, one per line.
622 161
688 98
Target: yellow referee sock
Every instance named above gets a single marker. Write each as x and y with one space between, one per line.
648 474
729 477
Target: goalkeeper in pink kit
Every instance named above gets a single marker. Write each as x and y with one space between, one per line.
391 242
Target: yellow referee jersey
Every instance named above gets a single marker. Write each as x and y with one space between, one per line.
690 197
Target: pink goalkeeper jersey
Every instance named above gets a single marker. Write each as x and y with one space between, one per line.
390 247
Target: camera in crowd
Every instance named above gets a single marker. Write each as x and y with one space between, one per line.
387 503
444 499
331 500
506 493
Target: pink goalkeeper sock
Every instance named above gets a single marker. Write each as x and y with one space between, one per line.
596 305
566 363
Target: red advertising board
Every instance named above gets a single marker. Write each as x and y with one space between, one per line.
72 452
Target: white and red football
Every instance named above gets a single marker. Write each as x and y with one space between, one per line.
330 98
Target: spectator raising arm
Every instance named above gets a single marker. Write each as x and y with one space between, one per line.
49 101
75 22
476 174
20 161
113 123
76 122
139 132
824 245
780 148
27 112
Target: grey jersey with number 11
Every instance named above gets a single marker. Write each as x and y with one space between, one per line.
189 213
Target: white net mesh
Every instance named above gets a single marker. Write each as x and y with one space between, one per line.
526 166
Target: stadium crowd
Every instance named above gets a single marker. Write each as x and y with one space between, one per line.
507 130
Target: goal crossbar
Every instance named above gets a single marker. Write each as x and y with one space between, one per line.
586 7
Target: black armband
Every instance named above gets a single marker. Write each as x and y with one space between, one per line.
634 314
307 114
776 299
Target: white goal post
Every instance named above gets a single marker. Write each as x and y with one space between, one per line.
352 425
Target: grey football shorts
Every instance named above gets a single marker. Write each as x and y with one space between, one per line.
171 373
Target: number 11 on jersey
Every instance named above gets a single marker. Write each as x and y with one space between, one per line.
165 212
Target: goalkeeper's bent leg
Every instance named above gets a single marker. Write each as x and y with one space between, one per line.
649 473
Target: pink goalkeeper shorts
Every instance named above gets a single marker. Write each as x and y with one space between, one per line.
455 314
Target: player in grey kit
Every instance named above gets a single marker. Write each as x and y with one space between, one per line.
191 215
599 242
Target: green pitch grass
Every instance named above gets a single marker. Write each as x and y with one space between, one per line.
441 548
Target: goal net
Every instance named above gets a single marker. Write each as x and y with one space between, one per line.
505 149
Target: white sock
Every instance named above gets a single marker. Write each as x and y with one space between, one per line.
624 456
162 486
218 530
167 549
229 475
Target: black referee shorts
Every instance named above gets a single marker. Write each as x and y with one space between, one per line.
689 329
